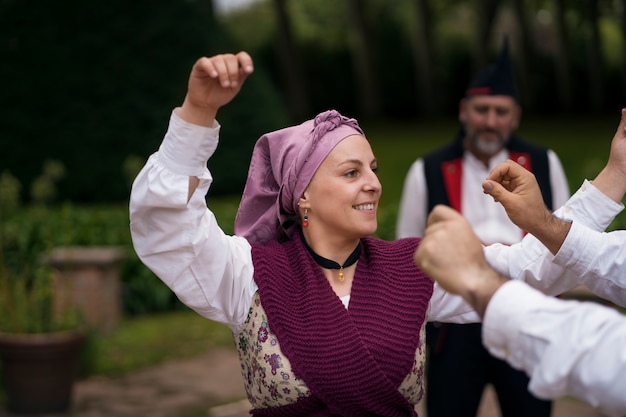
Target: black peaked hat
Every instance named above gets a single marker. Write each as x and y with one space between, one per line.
497 79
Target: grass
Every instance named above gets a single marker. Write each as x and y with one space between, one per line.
582 144
152 339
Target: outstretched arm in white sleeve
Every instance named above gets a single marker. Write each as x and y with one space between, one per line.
173 231
566 347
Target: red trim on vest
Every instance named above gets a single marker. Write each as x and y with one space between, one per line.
521 158
452 171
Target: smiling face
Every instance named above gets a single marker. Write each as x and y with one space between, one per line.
342 197
489 122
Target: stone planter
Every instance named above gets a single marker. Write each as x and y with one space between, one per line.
39 370
87 278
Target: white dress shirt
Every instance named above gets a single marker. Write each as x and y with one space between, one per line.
567 347
488 218
585 255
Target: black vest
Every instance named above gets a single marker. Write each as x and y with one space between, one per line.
433 161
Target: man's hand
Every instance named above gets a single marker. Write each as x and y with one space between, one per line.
612 179
214 82
517 190
452 255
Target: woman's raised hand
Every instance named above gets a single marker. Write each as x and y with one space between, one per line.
214 82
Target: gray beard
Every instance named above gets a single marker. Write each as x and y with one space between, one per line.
488 147
485 147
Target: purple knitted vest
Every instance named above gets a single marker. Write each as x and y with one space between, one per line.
354 360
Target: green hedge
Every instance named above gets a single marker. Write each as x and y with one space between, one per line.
102 225
114 70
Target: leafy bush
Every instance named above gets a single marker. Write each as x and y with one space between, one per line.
108 225
26 283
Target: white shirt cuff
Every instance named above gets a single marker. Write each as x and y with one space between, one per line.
591 207
186 147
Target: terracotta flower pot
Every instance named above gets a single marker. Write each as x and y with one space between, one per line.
39 370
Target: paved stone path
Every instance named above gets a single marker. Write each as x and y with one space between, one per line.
209 386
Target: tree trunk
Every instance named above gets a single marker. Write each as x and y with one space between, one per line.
562 62
424 57
596 86
289 64
364 60
526 55
486 11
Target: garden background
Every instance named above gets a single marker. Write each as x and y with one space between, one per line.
87 89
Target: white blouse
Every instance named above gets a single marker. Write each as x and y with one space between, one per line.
184 246
212 272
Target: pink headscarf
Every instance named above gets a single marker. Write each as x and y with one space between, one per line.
283 163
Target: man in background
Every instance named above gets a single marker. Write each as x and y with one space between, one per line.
459 367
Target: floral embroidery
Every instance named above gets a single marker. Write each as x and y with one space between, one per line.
274 391
274 361
242 343
267 374
263 333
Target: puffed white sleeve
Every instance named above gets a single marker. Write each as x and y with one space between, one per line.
568 348
598 259
180 240
450 308
530 261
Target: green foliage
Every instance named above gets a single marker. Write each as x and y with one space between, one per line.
101 78
104 225
107 225
114 71
27 304
26 283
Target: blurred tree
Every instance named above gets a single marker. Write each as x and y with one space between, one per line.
485 13
365 59
594 60
424 58
411 39
289 63
89 83
526 56
563 62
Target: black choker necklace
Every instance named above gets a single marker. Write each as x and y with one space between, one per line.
329 264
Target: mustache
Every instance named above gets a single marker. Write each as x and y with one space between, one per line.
488 130
478 133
